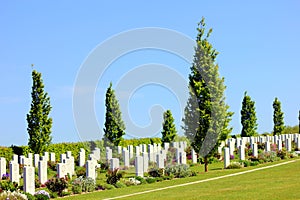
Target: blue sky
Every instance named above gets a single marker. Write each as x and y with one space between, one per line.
258 44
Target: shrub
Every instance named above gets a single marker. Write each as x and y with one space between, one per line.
108 186
77 185
13 195
52 165
29 196
141 179
282 154
42 195
234 165
155 172
151 180
8 185
113 176
268 156
120 185
80 171
88 184
178 171
57 185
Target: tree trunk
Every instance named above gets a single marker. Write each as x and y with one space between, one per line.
205 164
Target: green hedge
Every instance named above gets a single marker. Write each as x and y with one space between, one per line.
138 141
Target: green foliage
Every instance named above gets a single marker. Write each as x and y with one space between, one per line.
119 184
156 172
169 130
108 186
114 126
290 129
248 117
234 165
5 195
57 185
277 118
80 171
178 171
39 122
42 195
138 141
6 152
268 156
206 114
113 176
6 185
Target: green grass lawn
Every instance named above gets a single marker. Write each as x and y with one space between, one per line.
280 182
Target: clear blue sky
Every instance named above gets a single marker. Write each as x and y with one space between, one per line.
258 44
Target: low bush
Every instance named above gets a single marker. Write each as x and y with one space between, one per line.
108 186
42 195
12 195
80 171
156 172
178 171
235 165
119 184
113 176
8 185
57 185
151 180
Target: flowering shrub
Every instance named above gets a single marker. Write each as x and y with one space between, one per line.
57 185
113 176
81 184
5 176
178 171
42 195
12 195
268 156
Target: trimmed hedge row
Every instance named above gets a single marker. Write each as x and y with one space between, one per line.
74 147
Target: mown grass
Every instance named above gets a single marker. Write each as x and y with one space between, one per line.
280 182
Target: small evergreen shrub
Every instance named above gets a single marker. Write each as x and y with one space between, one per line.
57 185
119 184
235 165
113 176
42 195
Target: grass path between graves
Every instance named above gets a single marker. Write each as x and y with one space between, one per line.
270 181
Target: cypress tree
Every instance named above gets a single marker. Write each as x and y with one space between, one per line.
248 117
39 122
277 118
206 113
169 130
114 127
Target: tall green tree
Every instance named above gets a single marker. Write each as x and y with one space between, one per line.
206 120
169 130
39 122
277 118
114 127
248 117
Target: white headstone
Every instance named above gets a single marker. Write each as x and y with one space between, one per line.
14 172
108 152
183 157
30 159
267 146
36 160
242 152
46 154
130 150
69 154
81 157
126 158
139 168
63 157
160 161
42 172
52 157
91 169
61 170
288 144
137 151
226 157
145 161
194 156
151 153
166 145
15 158
119 150
114 163
29 180
2 167
254 150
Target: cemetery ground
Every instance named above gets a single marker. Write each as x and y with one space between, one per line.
278 182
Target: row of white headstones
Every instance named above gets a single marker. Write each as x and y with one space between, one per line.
143 155
239 143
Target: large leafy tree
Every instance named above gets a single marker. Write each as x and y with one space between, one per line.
277 118
39 122
114 126
206 121
248 117
169 130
